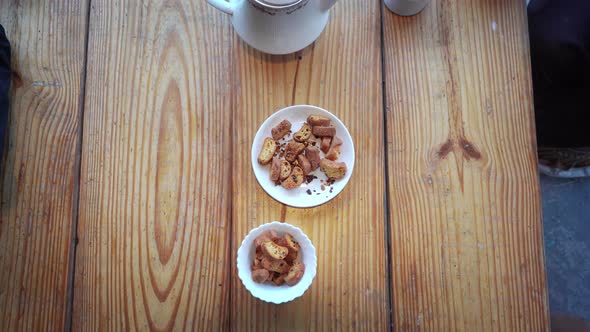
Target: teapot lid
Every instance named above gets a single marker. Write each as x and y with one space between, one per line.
280 3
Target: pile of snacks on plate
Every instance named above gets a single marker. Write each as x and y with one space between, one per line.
291 162
277 260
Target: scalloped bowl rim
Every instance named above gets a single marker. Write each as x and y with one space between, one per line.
271 293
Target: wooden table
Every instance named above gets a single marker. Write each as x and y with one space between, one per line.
127 185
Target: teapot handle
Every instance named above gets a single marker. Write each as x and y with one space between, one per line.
225 6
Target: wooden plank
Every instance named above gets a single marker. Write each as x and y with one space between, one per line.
341 72
155 196
39 174
466 231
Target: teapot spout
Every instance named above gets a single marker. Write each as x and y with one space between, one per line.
326 4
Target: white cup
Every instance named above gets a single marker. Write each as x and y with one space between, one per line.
406 7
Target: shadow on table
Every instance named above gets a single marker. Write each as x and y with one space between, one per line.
253 53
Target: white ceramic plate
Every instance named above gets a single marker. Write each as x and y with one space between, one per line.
268 292
300 197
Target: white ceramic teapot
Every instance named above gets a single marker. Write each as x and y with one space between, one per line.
277 26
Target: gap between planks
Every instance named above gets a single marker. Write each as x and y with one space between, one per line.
387 206
78 169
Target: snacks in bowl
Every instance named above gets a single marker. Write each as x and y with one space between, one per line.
292 160
281 130
303 134
317 120
295 179
268 150
333 169
277 259
293 150
313 155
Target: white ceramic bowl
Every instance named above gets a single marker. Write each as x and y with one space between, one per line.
299 197
269 292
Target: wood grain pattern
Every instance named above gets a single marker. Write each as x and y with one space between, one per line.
155 192
341 73
466 231
38 179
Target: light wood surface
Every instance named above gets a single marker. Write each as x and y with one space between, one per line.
466 232
341 73
155 191
38 180
160 124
